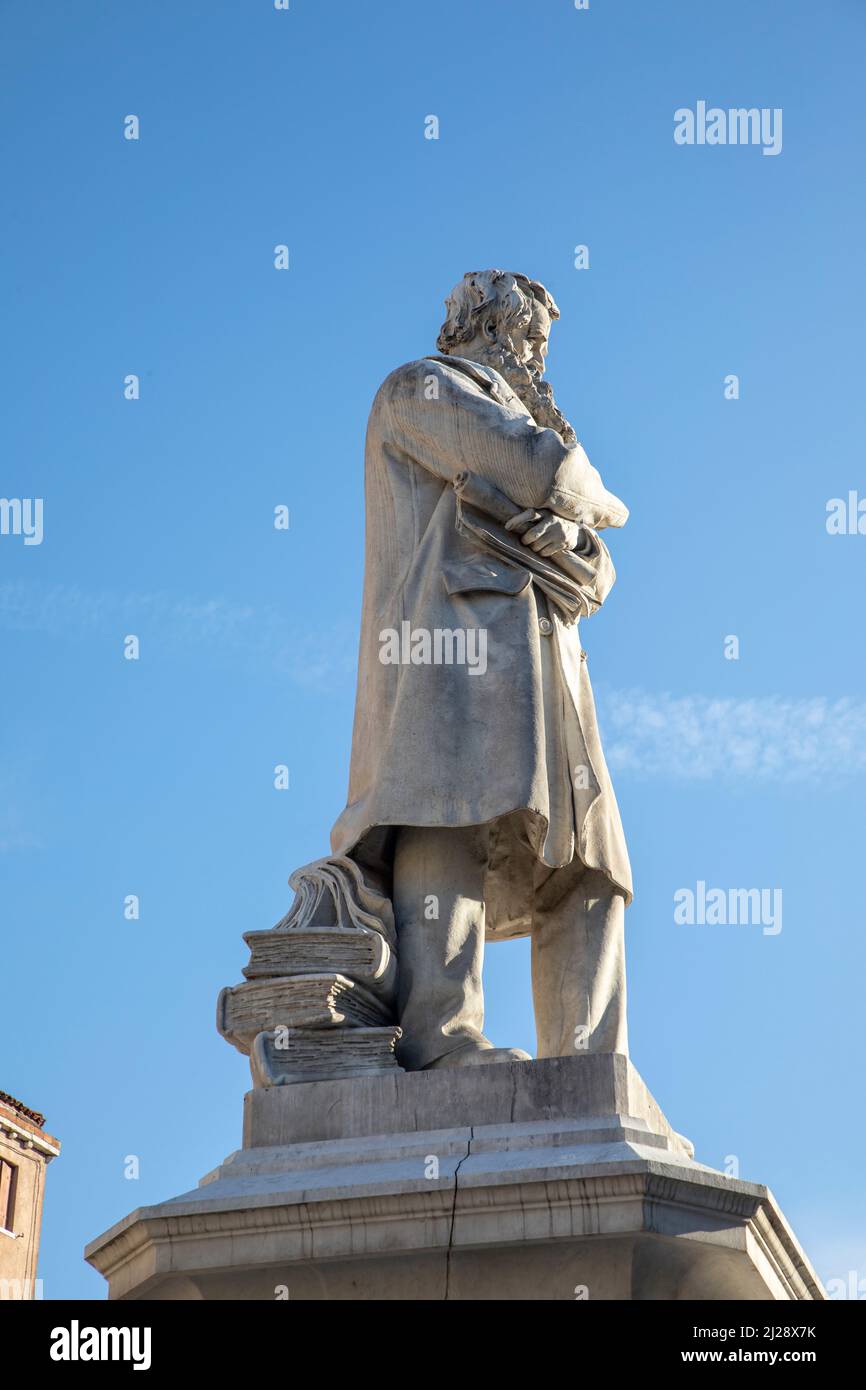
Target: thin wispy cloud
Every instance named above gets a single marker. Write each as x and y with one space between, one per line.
11 841
771 738
15 834
311 657
60 608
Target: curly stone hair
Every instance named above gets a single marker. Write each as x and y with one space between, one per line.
494 303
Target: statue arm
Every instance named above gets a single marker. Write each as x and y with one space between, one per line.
599 574
446 423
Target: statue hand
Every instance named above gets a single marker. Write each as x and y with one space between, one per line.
549 535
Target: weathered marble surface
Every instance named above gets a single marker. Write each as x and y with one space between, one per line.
295 1056
571 1198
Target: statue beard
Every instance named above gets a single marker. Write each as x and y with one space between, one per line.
531 388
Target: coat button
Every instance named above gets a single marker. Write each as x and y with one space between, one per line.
545 626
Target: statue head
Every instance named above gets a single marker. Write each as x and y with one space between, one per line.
492 311
503 320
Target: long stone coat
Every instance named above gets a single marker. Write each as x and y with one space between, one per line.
516 743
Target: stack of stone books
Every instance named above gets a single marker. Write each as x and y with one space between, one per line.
318 1002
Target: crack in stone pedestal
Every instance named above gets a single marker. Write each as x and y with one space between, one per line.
454 1210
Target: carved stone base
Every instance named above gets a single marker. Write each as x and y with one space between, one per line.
557 1179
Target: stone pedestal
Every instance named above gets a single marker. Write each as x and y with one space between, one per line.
556 1179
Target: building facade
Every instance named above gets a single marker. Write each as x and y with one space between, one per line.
25 1150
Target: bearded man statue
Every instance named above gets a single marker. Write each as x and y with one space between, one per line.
479 797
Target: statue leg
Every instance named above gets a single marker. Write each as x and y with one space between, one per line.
438 898
578 965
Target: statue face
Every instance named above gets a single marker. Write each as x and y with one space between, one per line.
537 336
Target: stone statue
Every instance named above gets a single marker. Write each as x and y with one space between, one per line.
479 808
479 800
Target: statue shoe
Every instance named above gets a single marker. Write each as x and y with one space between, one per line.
473 1056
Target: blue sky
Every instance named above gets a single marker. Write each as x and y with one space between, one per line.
155 777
